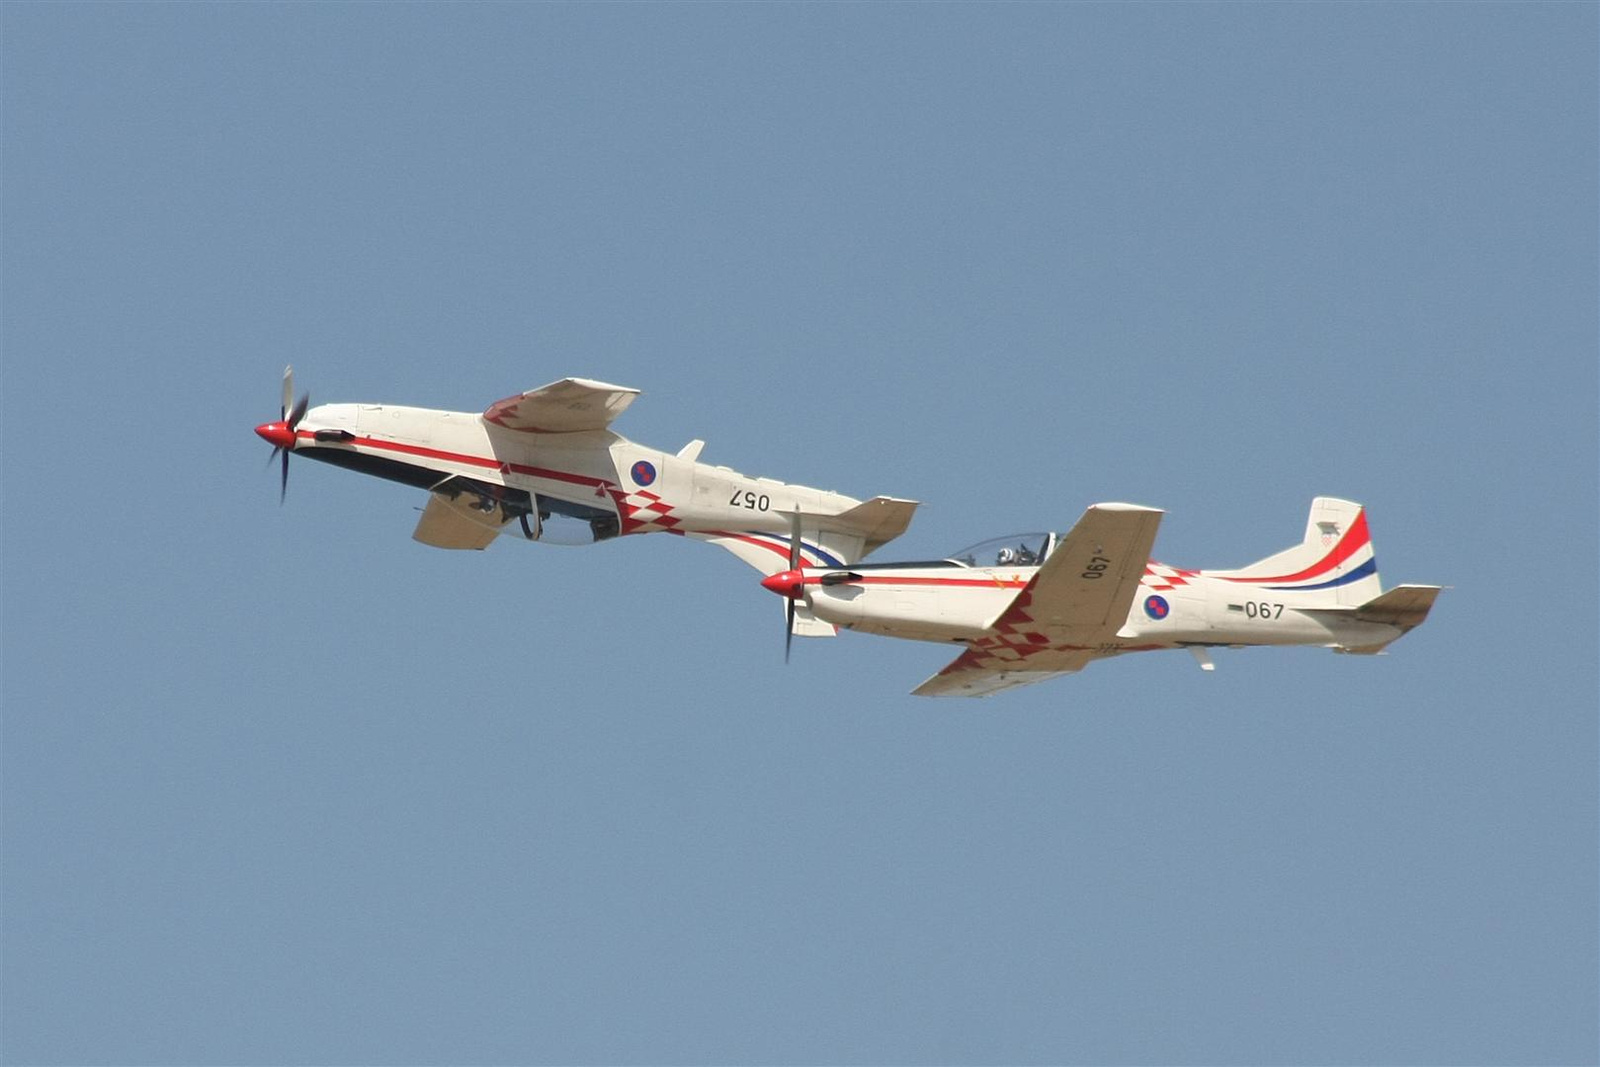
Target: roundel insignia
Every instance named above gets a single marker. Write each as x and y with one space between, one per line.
643 472
1156 607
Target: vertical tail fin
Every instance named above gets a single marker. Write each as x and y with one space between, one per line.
1333 565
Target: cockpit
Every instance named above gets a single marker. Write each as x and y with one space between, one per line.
1017 550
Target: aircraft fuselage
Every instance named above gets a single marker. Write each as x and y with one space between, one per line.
952 603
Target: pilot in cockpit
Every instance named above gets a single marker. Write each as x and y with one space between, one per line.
1021 556
1017 550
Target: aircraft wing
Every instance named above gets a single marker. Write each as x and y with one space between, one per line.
982 672
1089 581
568 406
1067 615
453 522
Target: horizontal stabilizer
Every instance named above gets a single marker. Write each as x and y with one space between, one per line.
878 521
1405 606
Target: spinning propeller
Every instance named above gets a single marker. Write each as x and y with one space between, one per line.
791 584
794 565
788 584
281 434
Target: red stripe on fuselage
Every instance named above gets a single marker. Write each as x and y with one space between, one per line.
885 579
1354 539
768 545
488 463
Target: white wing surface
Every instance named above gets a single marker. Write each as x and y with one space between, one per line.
1089 581
980 673
454 523
571 405
1068 615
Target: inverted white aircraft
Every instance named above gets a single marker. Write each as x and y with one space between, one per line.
1033 606
1025 608
547 462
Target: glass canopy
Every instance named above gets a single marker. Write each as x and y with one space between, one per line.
1017 550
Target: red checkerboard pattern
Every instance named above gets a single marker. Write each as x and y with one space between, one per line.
643 512
1159 576
1015 637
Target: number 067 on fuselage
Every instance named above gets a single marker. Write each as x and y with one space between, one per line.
1034 606
545 464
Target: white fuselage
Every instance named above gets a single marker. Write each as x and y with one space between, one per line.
631 488
954 603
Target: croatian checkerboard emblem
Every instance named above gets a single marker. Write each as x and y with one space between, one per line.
643 472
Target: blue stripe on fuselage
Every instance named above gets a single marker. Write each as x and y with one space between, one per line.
826 557
1369 567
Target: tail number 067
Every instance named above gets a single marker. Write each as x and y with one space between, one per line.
1095 568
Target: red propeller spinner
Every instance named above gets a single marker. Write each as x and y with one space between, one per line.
276 434
280 435
785 583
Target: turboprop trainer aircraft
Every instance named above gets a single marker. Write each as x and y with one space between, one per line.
1035 606
547 462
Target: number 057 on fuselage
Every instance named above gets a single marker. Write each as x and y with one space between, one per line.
1024 609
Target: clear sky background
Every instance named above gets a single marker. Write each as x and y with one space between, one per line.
283 786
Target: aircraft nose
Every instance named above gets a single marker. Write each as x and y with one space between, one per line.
785 583
277 434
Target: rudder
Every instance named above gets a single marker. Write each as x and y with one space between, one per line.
1333 565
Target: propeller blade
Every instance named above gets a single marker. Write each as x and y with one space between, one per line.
794 540
794 564
274 432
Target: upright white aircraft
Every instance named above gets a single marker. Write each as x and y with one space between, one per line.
546 465
1024 608
1033 606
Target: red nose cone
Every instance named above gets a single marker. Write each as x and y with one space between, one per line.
785 583
276 433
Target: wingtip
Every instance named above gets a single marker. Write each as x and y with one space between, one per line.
1117 505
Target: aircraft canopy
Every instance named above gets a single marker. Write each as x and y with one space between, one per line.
1015 550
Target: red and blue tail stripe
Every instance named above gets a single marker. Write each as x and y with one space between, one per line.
1325 573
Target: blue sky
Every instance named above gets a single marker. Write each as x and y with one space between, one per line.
283 786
